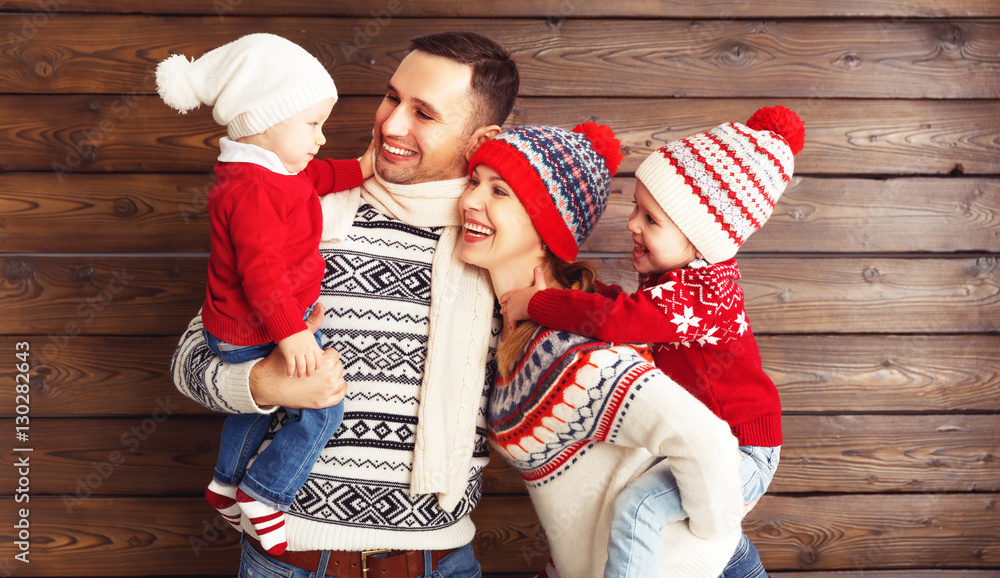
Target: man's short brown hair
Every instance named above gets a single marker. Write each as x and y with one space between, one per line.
495 79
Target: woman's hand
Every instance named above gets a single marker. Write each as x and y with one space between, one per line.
270 384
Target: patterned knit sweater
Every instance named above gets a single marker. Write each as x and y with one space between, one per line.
580 419
376 294
695 320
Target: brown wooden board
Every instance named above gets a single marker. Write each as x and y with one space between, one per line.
129 376
720 9
844 137
177 536
91 295
164 453
901 58
167 213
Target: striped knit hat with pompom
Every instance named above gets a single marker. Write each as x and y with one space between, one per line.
720 186
563 178
252 83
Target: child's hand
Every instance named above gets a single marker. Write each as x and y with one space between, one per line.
514 304
367 168
302 353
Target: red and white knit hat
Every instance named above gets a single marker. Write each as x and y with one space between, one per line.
720 186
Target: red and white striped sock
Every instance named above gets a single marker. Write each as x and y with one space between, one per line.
223 499
268 522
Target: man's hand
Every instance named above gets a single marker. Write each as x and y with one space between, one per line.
301 353
514 304
271 385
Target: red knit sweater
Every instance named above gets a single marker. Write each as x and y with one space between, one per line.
265 268
696 323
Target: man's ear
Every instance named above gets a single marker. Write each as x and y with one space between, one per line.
482 134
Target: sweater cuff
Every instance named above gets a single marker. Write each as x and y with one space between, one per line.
285 322
236 381
346 175
543 309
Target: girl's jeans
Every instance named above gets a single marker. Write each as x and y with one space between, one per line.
653 500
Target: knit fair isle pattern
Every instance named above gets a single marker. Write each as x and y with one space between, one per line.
557 157
570 393
737 177
376 296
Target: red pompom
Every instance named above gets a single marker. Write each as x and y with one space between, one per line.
605 143
783 121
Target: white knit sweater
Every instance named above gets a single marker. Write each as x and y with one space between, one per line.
580 419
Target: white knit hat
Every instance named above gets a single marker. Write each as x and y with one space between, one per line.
253 83
720 186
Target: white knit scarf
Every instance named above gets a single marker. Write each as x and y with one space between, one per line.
461 317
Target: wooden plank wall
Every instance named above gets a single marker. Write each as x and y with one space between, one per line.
874 289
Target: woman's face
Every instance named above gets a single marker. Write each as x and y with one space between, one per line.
498 234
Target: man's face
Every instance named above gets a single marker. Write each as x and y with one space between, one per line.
422 126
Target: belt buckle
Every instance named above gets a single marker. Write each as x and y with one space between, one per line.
364 560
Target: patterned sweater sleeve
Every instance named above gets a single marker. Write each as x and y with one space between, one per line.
682 306
666 420
200 375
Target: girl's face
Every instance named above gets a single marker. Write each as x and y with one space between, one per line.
297 139
659 245
498 234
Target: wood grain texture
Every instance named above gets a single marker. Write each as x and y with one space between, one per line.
813 373
167 213
166 453
863 295
721 9
879 531
844 137
97 213
108 375
64 297
158 295
896 58
176 536
850 215
884 373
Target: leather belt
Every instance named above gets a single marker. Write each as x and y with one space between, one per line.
394 563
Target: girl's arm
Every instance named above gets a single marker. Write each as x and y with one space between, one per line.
673 311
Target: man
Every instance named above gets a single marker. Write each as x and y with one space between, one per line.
414 327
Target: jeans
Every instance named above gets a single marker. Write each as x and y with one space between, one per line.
284 465
461 563
653 500
745 563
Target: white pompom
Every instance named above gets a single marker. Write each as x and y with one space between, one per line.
173 84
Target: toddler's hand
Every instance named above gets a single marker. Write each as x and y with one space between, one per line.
367 166
302 353
514 304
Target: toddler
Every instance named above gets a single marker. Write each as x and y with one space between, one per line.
264 270
696 202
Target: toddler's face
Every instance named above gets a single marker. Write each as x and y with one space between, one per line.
659 245
297 139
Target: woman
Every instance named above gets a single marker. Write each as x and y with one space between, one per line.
581 418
